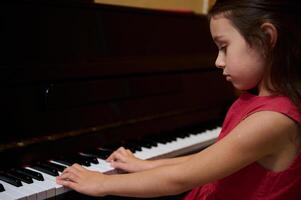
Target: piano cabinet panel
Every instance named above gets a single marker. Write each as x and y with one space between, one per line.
78 93
53 107
54 32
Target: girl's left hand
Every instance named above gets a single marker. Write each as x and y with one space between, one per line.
125 160
82 180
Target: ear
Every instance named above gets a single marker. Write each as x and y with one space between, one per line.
271 32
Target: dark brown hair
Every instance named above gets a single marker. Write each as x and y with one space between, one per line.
284 59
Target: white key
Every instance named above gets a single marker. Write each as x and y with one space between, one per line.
102 166
59 189
179 143
52 161
5 196
40 192
17 192
49 189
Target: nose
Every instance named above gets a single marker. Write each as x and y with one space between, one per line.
220 61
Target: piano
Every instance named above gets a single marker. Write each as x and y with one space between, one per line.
79 79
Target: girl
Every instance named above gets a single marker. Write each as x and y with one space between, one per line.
257 155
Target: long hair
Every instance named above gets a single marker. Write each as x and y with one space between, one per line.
284 59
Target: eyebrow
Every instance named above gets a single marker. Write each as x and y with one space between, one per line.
218 38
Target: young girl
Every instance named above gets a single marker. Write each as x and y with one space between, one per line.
257 155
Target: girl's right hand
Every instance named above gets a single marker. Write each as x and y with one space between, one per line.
125 160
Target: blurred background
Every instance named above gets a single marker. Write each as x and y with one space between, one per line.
197 6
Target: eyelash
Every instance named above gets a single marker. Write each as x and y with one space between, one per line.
222 48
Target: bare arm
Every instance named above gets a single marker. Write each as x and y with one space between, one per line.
259 135
125 160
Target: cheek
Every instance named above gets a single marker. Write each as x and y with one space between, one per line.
247 77
245 74
245 67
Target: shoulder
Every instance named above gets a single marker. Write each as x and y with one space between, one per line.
263 133
250 104
280 107
268 123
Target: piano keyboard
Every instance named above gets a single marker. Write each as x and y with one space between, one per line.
38 182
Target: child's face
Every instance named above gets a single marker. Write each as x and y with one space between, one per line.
242 65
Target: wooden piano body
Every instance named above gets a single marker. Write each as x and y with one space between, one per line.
77 75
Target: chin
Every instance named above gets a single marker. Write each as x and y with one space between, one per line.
242 88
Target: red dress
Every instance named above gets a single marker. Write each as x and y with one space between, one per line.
254 182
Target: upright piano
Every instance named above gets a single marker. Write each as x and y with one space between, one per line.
79 79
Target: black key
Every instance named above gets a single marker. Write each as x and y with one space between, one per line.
35 175
50 166
99 153
133 145
91 159
9 179
20 176
147 143
45 169
1 188
81 160
58 167
75 159
164 139
63 161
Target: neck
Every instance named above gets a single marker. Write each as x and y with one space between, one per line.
265 87
265 93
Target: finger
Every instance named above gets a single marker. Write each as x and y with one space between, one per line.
71 169
122 166
67 183
118 156
78 167
129 152
122 151
112 156
70 176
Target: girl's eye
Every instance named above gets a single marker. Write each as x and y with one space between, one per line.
223 48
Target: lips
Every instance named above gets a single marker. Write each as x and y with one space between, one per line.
228 77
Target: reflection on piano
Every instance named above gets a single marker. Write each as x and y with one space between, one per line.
80 79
